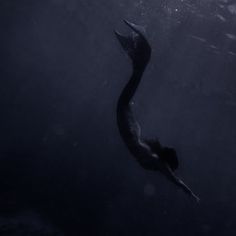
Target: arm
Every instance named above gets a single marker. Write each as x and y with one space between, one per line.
170 175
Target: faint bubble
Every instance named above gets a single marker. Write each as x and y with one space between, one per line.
216 52
206 228
149 189
231 36
198 38
232 9
220 17
224 1
221 6
105 83
45 139
213 46
58 130
71 5
26 223
58 1
75 144
232 53
165 213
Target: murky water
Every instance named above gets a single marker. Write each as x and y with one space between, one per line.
64 168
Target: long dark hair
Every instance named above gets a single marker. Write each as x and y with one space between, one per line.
165 153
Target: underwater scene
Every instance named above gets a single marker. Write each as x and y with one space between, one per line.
118 117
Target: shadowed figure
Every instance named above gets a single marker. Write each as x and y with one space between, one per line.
150 154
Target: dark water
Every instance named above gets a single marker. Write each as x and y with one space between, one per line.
64 169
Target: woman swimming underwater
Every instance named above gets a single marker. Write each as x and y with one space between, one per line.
150 154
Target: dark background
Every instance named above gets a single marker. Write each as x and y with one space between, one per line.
64 169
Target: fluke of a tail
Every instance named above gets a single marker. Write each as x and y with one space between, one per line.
135 45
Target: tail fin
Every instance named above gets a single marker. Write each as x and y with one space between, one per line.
136 45
127 43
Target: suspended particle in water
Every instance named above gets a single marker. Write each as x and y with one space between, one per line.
149 189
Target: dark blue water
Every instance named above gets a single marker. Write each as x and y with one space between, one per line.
64 169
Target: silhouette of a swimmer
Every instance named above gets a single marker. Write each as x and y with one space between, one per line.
150 154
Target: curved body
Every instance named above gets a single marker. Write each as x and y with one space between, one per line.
129 128
150 155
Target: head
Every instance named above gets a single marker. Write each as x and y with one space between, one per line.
165 153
